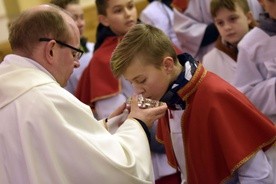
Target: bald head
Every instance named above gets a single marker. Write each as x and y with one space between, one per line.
40 21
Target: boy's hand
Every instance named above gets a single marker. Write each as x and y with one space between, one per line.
148 115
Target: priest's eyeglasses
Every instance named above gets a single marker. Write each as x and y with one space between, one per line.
77 53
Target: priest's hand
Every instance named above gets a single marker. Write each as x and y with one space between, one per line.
147 115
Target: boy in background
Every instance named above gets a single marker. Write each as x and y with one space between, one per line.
209 127
97 86
74 8
195 28
233 20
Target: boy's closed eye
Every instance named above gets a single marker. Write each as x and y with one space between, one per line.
141 81
138 80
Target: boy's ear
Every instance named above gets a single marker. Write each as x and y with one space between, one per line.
104 20
168 64
250 18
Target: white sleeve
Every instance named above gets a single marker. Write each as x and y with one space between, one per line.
147 17
190 26
106 106
256 170
256 71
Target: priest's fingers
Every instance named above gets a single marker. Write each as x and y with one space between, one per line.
118 111
148 115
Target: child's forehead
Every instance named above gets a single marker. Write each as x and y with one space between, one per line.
112 3
223 10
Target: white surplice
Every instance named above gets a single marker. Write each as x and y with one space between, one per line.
256 76
221 64
49 136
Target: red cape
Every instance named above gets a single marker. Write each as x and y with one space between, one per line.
221 129
97 81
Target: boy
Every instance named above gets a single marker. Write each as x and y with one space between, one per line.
195 28
97 86
216 129
256 68
233 20
75 9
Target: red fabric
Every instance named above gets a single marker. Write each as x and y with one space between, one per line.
221 128
170 179
97 81
84 83
163 136
180 5
177 50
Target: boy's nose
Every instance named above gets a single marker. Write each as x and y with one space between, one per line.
127 12
227 26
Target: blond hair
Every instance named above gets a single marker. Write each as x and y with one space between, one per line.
30 26
144 41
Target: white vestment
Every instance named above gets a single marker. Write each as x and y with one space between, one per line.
190 27
49 136
221 64
161 16
256 70
256 76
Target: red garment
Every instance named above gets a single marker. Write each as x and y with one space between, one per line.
180 5
97 81
221 129
230 51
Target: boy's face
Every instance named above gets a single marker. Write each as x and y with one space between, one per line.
77 13
232 25
120 16
270 7
148 80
